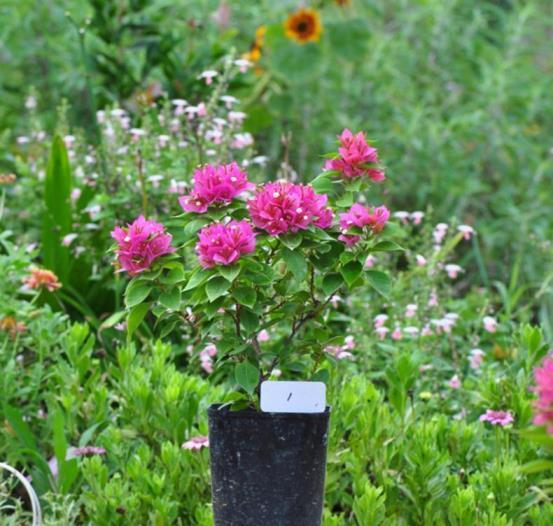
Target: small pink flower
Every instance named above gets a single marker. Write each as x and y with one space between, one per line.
140 244
476 358
397 334
411 310
349 343
380 320
68 239
426 331
263 336
208 76
196 443
242 140
284 207
417 217
215 185
454 382
421 260
349 241
467 231
453 270
402 216
242 64
359 216
224 244
490 324
356 158
544 389
501 418
370 261
440 232
433 299
381 332
201 110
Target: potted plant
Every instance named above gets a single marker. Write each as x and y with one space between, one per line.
251 272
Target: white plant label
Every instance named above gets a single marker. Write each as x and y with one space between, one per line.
293 397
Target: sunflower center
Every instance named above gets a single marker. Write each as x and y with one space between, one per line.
303 26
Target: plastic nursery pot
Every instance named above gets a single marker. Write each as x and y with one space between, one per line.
267 469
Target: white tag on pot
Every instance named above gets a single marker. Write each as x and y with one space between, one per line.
293 397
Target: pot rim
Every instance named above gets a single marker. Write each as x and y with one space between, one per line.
214 411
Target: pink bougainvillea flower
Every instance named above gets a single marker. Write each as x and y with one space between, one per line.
497 418
140 244
42 278
196 443
223 244
215 185
355 158
544 390
360 217
284 207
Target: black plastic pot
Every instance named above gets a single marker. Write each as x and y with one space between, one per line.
267 469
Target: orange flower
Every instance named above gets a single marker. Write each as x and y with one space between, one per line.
254 54
7 178
13 327
304 26
42 278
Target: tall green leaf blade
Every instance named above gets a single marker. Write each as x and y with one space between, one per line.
57 217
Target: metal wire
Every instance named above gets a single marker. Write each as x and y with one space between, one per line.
35 503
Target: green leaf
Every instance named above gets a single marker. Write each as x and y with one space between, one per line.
135 317
247 376
322 184
346 200
296 262
137 291
249 320
351 272
57 220
175 275
379 281
230 272
331 283
171 298
291 241
197 278
216 287
245 296
193 226
386 246
322 375
112 320
21 428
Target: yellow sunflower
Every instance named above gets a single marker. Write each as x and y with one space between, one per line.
304 26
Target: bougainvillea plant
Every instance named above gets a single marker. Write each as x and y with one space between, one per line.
250 270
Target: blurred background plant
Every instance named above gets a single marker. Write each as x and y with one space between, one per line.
434 82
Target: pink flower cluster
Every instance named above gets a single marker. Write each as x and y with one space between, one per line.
361 217
544 389
140 243
223 244
284 207
356 157
206 357
497 418
215 185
